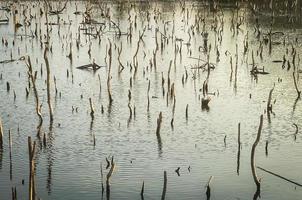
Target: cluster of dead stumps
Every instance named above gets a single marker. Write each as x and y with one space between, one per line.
95 31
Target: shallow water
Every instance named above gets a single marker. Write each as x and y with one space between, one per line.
69 167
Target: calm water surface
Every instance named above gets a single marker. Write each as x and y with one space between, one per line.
69 167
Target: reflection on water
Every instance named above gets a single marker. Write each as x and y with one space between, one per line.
210 69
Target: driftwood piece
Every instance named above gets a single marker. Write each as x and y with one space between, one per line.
92 66
204 103
255 71
4 21
5 8
277 61
7 61
279 176
11 60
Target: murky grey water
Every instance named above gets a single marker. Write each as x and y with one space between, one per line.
69 167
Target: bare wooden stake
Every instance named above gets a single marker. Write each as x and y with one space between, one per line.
148 94
159 121
108 179
38 106
31 154
172 123
163 196
269 107
296 86
14 193
187 107
256 179
44 140
10 155
91 108
7 86
102 179
238 152
15 96
27 92
142 190
208 191
1 134
295 135
109 74
48 84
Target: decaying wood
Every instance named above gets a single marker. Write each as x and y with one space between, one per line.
208 191
110 171
163 195
148 97
187 111
93 66
295 135
91 108
279 176
296 86
269 106
108 178
4 21
31 155
102 179
48 85
11 60
33 81
159 121
142 190
205 102
239 150
109 74
56 12
256 179
1 134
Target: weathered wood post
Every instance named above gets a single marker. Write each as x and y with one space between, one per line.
256 179
1 134
163 196
31 154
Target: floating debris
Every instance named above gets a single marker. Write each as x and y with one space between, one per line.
92 66
4 21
